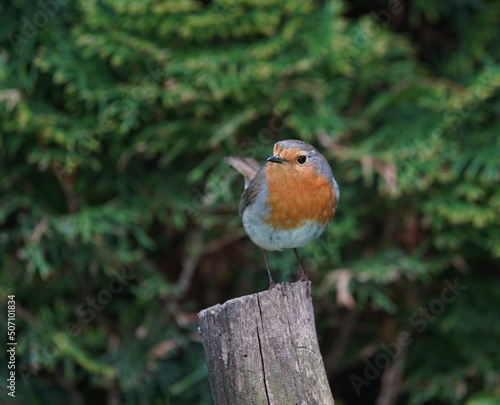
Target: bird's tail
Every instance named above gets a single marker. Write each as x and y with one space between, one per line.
248 167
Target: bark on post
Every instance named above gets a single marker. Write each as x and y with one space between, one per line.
262 349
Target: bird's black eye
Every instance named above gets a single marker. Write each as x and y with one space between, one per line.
302 159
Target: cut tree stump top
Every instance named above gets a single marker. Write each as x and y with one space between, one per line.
262 349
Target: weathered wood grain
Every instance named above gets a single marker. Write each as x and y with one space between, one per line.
262 349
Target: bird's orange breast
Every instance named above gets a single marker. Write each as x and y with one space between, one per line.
295 198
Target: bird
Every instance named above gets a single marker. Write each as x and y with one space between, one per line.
289 201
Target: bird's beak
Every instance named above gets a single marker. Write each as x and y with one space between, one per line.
275 159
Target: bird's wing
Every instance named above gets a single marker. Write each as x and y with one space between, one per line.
251 192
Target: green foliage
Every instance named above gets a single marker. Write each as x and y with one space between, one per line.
118 218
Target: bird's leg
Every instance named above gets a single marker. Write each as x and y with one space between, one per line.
303 276
272 284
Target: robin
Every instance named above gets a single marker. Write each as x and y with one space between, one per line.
289 201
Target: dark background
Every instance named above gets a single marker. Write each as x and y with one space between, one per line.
118 217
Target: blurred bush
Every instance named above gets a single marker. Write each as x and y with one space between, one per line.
118 219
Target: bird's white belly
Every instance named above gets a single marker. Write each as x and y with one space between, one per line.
264 236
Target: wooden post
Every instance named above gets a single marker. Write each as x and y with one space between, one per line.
262 349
